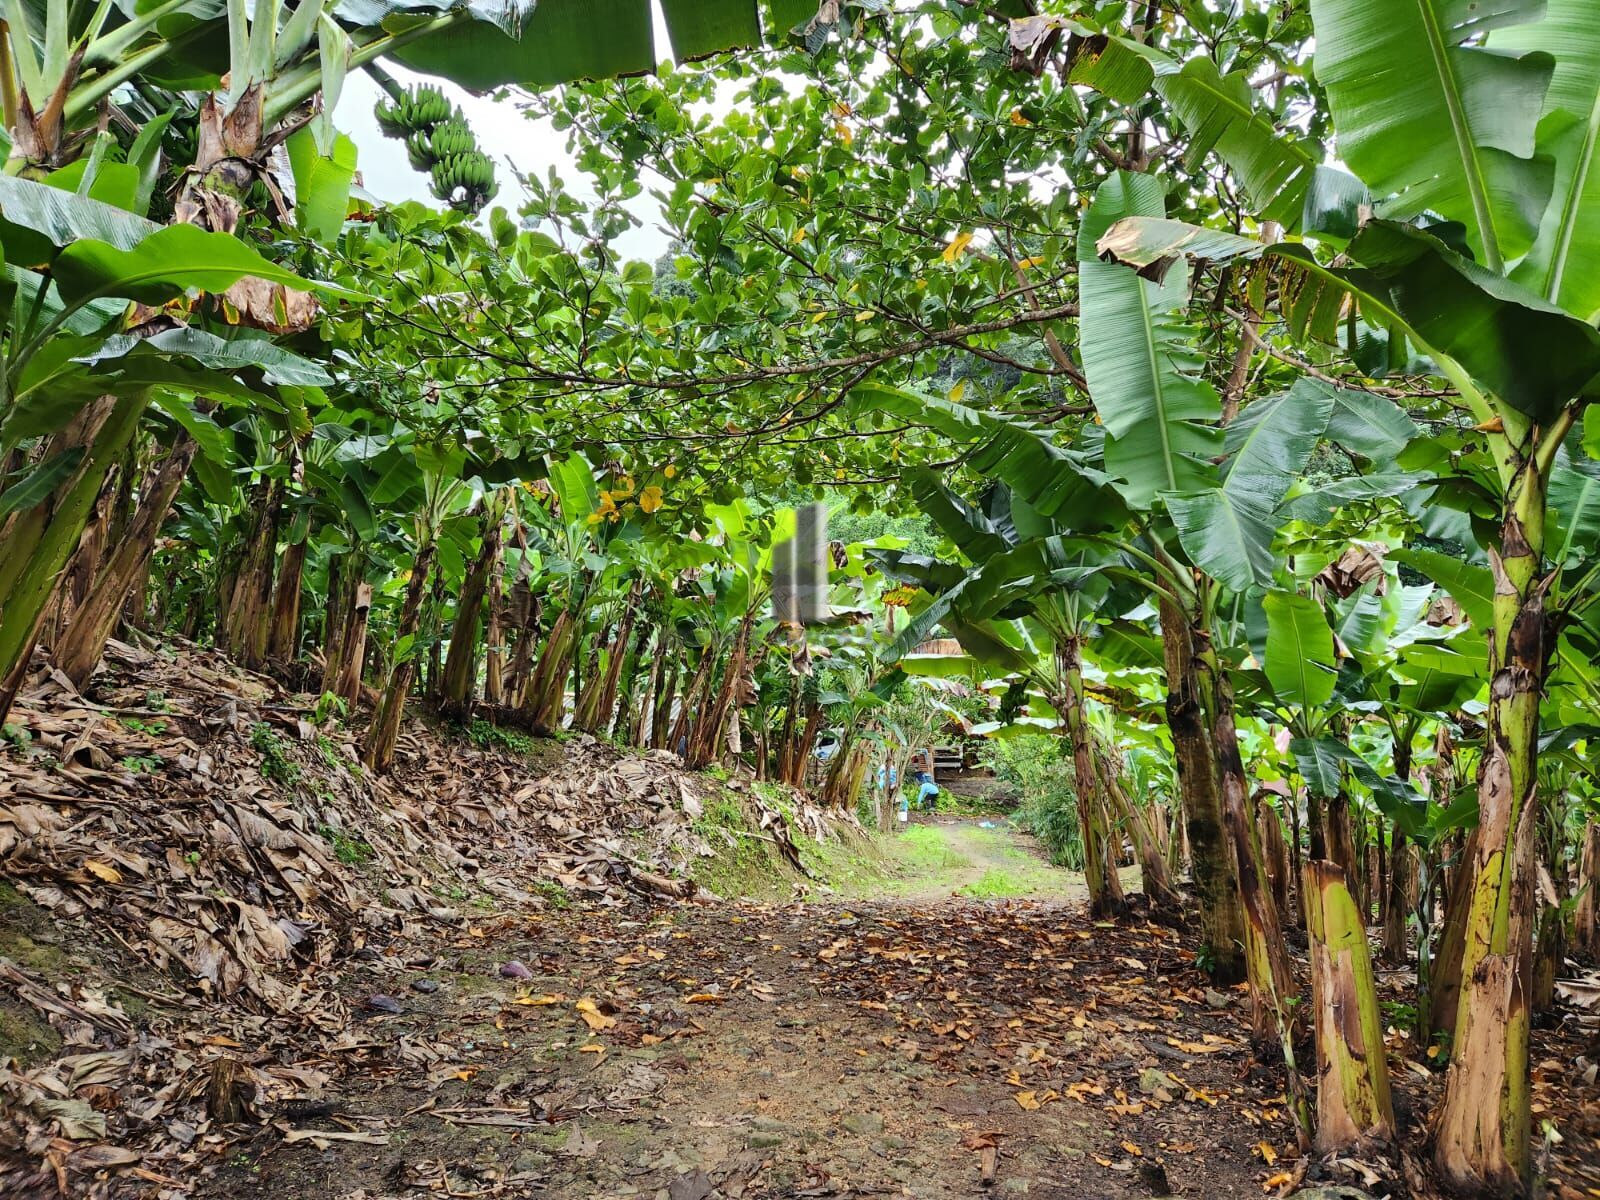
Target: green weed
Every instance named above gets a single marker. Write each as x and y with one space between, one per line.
275 762
485 736
352 852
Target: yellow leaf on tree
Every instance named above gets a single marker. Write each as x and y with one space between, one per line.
1018 118
669 470
958 391
866 314
650 498
104 871
957 246
1028 264
846 135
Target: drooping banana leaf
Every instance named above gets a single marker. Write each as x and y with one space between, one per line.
1054 482
1431 120
1530 354
1300 663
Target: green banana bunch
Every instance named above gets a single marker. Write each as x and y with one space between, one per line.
420 109
439 142
464 181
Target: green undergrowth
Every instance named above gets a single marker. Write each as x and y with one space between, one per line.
746 862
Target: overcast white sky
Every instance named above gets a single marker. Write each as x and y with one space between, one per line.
502 130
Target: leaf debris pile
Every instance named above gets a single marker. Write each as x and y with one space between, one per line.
233 852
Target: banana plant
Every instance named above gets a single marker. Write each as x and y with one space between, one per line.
1481 257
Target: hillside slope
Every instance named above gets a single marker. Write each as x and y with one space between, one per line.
193 863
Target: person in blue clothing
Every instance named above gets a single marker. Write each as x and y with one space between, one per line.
927 790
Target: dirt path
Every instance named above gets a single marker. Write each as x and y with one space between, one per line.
886 1049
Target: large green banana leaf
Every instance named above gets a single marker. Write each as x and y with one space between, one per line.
1300 663
971 531
1227 531
1054 482
554 41
1469 584
1564 264
166 264
1218 111
1433 121
1530 354
1140 360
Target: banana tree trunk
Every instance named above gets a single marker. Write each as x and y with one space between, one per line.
604 703
354 645
637 729
626 690
1272 985
378 749
1153 874
709 741
1099 866
545 698
494 637
1586 920
1444 976
1353 1103
249 625
78 651
1274 853
691 703
461 661
341 591
1215 883
284 639
1482 1126
666 698
36 543
1401 899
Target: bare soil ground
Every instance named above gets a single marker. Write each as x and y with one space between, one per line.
801 1050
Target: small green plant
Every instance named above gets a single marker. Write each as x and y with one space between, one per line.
484 736
1399 1013
554 894
135 725
1205 958
352 852
157 700
17 736
275 762
141 764
329 752
329 705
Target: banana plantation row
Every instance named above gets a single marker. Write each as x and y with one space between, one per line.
1225 370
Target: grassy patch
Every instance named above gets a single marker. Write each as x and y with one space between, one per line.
994 884
554 894
923 849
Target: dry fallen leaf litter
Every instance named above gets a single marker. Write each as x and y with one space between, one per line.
216 928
